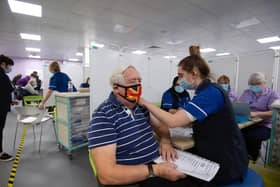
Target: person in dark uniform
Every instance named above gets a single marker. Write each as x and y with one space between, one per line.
215 131
5 100
175 97
59 82
85 84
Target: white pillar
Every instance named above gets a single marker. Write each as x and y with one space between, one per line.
275 76
236 74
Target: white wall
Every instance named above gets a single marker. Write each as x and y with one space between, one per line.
156 73
86 73
248 64
278 86
258 62
224 66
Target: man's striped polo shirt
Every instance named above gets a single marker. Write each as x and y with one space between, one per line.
130 130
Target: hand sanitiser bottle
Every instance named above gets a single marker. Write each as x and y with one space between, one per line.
70 86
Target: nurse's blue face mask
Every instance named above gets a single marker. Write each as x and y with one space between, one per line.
179 89
186 85
225 87
9 69
256 88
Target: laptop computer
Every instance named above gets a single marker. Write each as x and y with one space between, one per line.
242 112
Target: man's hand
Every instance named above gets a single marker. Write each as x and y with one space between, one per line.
166 150
41 106
168 171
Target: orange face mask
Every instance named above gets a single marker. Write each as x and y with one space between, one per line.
132 93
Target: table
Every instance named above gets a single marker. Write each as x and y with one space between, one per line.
184 143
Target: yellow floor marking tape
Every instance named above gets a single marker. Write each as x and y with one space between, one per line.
17 158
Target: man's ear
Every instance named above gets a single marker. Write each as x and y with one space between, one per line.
115 86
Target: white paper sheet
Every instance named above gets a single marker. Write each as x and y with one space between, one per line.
194 165
181 132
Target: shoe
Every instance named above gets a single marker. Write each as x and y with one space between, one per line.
5 157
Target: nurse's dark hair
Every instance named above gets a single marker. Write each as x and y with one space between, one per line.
195 60
175 81
6 60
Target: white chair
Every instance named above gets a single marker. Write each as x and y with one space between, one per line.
32 116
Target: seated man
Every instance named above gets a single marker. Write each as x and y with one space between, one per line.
121 138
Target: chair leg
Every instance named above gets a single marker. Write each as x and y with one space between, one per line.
34 136
40 138
266 152
55 131
15 138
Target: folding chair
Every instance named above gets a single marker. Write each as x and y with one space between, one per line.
31 116
91 160
32 100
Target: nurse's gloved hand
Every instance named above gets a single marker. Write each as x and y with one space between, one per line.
142 102
167 151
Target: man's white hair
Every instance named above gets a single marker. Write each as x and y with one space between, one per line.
257 77
117 75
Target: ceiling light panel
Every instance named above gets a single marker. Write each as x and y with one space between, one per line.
275 47
32 49
25 8
169 57
139 52
268 39
96 45
223 54
207 50
73 59
34 56
26 36
79 54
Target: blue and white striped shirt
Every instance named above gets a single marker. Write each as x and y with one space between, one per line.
113 123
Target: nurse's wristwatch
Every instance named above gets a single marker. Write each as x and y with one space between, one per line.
151 170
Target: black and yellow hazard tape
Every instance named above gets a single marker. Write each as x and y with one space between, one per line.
17 158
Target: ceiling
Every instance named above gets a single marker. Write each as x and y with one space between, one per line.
67 26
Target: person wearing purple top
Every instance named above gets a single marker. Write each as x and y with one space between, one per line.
259 97
224 82
23 81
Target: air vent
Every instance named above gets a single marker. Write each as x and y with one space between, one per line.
154 47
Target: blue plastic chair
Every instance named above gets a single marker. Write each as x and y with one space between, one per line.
252 180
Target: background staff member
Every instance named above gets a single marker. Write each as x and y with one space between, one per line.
259 97
175 97
215 132
224 82
58 82
5 100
